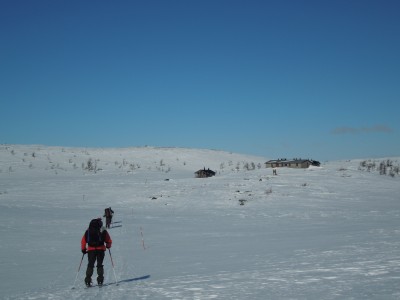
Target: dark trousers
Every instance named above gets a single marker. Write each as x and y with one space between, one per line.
93 256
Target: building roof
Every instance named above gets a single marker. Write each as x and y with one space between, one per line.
274 161
208 171
293 161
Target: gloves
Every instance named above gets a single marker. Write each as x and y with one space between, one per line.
84 251
108 245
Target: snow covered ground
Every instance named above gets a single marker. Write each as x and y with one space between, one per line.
331 232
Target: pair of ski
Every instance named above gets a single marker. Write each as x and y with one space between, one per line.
118 224
101 285
94 285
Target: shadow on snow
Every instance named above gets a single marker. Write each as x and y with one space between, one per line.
128 280
135 279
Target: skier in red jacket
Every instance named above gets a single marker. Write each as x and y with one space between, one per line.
98 240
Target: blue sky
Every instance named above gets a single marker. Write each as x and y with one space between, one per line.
312 79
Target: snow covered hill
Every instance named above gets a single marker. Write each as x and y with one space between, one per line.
331 232
120 161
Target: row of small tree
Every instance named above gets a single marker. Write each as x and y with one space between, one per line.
384 167
246 166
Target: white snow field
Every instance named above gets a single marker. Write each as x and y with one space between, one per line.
329 232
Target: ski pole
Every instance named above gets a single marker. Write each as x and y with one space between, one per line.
141 232
76 277
112 263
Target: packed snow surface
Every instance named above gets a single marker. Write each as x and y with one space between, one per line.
328 232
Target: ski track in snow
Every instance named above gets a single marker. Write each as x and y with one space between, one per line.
321 233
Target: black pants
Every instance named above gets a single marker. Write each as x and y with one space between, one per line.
95 255
108 222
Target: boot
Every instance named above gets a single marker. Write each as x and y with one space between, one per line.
88 278
100 275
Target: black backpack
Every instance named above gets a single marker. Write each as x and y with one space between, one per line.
94 236
107 212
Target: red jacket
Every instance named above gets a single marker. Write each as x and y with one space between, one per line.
107 241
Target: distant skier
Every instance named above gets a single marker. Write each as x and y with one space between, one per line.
108 214
97 239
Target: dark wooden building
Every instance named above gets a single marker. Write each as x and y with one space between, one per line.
204 173
294 163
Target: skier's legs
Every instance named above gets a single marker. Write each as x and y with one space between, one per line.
100 268
90 266
91 258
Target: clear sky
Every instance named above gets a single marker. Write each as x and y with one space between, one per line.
312 79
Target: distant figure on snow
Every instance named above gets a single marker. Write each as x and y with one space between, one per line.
274 171
97 239
108 214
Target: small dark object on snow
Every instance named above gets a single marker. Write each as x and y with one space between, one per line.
204 173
